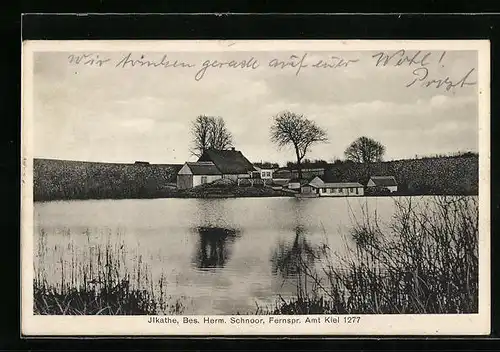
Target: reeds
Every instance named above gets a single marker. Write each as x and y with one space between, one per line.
425 261
97 280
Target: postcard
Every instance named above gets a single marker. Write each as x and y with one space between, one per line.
261 187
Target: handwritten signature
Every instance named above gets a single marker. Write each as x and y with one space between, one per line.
421 74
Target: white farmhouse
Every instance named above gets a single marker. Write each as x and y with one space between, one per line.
213 165
198 173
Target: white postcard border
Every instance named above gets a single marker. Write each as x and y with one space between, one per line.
451 324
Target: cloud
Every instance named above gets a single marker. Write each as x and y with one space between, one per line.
138 125
125 115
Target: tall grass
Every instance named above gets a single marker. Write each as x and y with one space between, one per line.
96 280
425 261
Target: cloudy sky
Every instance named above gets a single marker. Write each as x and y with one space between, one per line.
87 112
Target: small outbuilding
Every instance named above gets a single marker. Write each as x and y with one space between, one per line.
333 189
264 175
197 173
381 182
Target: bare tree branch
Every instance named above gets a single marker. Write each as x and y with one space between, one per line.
209 132
291 129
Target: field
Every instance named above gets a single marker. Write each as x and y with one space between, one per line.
61 179
446 175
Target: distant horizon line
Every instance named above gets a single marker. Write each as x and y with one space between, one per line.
284 164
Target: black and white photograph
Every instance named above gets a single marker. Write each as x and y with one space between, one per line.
227 187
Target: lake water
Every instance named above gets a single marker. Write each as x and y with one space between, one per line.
221 256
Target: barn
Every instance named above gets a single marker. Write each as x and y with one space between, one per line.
388 182
231 163
197 173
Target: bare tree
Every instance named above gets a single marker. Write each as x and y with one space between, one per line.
296 130
200 129
220 137
365 150
209 132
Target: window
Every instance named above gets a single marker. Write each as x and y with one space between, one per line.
323 190
340 190
203 179
357 190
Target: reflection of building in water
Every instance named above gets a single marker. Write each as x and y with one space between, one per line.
214 246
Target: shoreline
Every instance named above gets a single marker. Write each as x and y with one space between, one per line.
256 196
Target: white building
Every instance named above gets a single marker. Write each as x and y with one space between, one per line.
333 189
213 165
198 173
388 182
264 173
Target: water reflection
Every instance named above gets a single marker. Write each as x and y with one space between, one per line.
290 259
214 246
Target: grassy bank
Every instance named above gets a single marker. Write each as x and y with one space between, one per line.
94 279
221 190
424 262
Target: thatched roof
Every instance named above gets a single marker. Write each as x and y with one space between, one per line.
203 168
228 161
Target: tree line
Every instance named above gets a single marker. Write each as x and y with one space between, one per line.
289 130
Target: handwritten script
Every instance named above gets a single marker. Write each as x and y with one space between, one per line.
422 67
